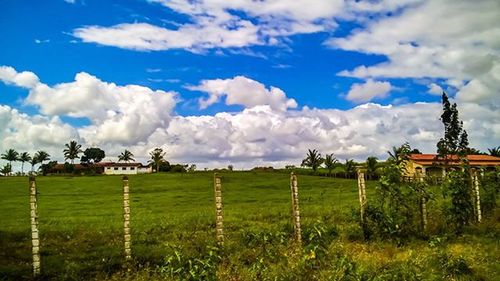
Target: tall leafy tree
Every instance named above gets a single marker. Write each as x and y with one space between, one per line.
72 150
313 159
10 155
455 140
157 157
371 166
92 155
330 162
24 157
126 156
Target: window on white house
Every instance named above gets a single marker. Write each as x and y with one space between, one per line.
124 168
116 168
132 168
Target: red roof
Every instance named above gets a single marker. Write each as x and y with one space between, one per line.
481 160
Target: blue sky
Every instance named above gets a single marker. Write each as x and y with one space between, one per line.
331 56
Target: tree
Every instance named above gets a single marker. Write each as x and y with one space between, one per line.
313 159
92 155
458 183
330 162
10 155
455 140
349 168
72 150
192 168
33 162
494 151
371 166
415 151
157 157
6 170
126 156
24 157
41 156
399 154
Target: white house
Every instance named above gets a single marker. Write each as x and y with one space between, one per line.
112 168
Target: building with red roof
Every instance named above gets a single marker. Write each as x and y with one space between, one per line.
432 165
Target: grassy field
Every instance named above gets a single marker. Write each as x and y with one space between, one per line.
173 234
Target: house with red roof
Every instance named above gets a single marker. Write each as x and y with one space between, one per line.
434 166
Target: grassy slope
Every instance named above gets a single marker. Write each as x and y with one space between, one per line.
81 218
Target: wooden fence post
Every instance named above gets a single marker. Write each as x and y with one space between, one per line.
362 194
35 236
477 199
126 220
423 203
295 207
219 219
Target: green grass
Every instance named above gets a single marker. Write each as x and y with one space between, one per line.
80 222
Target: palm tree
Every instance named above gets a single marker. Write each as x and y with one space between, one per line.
41 156
24 157
157 157
330 162
313 159
33 162
349 168
72 150
495 151
10 155
371 166
399 154
126 156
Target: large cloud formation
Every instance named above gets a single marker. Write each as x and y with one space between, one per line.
119 114
139 119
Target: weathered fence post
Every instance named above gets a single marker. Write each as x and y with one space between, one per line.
35 236
126 220
219 219
423 202
477 199
295 207
362 193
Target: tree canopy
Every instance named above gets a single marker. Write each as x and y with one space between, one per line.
72 150
313 160
92 155
157 157
126 156
455 140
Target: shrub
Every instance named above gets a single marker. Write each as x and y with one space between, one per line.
459 187
490 187
203 267
392 212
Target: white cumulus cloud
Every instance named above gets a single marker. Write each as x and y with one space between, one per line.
241 90
457 41
368 91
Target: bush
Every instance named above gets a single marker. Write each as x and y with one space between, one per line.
459 187
489 189
392 212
